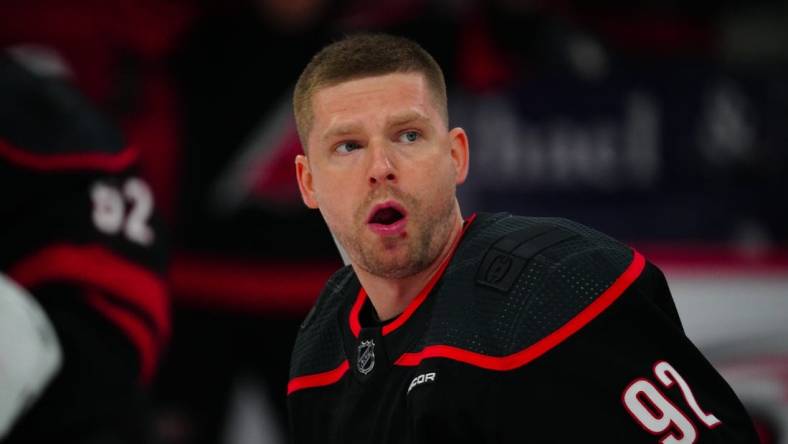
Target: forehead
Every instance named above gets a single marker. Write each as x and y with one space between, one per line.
371 99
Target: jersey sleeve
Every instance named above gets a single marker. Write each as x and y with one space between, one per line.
620 370
76 214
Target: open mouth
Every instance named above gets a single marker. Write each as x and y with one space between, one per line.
386 214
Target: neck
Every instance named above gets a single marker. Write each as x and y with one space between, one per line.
390 296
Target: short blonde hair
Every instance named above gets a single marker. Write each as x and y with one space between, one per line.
364 55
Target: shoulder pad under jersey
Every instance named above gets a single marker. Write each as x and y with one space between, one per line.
514 281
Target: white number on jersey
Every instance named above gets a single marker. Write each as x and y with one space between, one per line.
658 415
109 209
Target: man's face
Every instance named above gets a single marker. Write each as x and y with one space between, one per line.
383 168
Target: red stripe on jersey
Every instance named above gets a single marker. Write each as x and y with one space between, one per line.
135 330
544 345
355 325
318 379
113 163
97 267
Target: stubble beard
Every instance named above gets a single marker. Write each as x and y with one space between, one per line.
429 228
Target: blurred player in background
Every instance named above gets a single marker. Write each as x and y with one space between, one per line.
80 239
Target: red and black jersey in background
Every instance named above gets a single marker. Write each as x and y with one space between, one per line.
535 330
80 232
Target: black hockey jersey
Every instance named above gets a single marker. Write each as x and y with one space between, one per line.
536 330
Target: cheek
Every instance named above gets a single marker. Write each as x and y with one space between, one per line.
334 200
438 177
334 219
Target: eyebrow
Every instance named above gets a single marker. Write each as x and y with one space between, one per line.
406 117
343 129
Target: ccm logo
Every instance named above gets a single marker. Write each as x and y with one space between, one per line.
421 379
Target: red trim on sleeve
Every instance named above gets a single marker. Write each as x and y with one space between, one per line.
318 379
98 267
523 357
135 330
113 163
355 325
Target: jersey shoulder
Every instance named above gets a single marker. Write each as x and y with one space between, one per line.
515 280
318 346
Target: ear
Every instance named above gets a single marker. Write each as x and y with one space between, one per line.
304 177
458 141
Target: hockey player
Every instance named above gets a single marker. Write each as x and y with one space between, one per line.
83 305
495 329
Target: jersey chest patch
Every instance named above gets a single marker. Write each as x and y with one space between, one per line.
366 357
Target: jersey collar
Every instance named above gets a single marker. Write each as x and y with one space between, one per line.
355 324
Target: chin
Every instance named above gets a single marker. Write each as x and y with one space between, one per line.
395 273
388 267
402 267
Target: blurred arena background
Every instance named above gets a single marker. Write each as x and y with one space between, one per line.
662 123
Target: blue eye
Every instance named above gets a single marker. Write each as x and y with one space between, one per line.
409 136
347 147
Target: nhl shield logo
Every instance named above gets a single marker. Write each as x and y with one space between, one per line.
366 356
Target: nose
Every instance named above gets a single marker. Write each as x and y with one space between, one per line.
381 170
